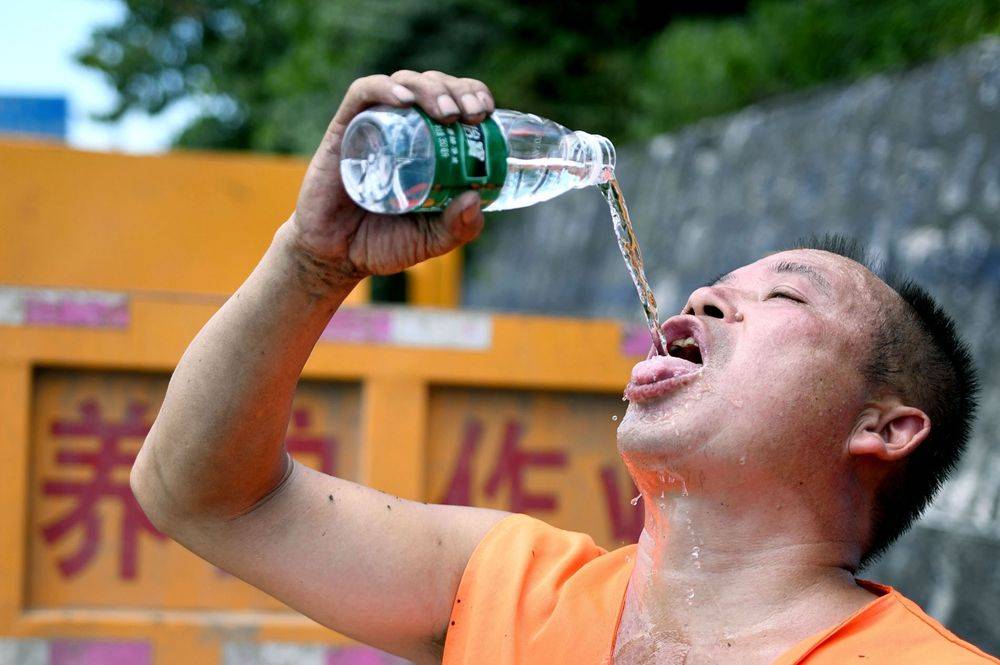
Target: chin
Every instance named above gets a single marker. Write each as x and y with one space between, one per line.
676 426
647 433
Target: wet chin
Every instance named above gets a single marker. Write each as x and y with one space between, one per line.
649 431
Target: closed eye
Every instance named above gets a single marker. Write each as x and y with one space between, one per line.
784 294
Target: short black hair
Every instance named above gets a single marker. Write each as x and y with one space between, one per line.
917 354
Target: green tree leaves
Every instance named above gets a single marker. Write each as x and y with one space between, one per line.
268 74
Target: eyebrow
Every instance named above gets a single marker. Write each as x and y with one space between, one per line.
814 276
719 279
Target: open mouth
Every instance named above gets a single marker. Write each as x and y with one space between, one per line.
686 348
685 359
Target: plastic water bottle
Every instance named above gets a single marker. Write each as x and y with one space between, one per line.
397 160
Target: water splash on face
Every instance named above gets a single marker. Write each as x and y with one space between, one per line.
635 501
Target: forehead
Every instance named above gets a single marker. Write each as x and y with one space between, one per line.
846 284
829 272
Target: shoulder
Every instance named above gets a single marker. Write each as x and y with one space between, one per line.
525 585
926 635
530 555
894 629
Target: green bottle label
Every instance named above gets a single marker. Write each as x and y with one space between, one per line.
466 157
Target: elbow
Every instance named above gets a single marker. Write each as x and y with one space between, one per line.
150 491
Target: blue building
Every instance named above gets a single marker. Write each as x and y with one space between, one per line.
33 116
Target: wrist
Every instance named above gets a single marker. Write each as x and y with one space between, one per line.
321 278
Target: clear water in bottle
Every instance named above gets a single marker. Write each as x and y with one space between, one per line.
544 160
395 161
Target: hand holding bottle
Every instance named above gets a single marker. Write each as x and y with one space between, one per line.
348 241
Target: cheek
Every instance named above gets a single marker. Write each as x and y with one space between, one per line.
791 365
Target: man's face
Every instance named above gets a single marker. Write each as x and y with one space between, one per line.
781 343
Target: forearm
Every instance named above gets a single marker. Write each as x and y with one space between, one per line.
217 445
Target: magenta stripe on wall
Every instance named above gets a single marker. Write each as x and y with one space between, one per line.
79 313
635 340
89 652
359 325
361 656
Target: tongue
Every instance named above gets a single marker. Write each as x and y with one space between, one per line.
659 368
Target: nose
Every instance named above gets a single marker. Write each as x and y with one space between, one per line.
710 301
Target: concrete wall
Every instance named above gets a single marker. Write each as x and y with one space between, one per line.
909 163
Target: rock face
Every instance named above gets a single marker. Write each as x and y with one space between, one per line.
909 163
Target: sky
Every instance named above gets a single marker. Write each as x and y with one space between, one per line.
37 41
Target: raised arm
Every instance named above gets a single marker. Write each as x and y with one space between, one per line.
213 473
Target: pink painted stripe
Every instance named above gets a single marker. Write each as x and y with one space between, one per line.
359 325
635 341
86 652
361 656
76 313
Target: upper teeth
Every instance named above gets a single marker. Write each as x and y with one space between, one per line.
684 341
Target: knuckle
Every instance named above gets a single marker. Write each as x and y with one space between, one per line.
458 85
359 85
437 88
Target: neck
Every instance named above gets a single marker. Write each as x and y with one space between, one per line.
718 567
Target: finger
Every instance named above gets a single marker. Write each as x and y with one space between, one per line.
482 92
461 222
369 91
473 109
431 93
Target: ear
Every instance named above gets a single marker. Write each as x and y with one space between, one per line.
889 431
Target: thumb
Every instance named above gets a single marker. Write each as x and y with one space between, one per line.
461 222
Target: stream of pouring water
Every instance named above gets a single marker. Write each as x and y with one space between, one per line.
629 245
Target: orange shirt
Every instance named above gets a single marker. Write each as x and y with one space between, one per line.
532 593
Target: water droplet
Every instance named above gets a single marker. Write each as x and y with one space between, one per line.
663 506
695 552
697 564
614 418
684 488
662 494
635 501
743 460
690 595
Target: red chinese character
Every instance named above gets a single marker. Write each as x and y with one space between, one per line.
300 441
509 469
100 485
626 519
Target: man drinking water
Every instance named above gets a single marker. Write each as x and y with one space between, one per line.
805 414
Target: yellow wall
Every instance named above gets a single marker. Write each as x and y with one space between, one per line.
183 223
